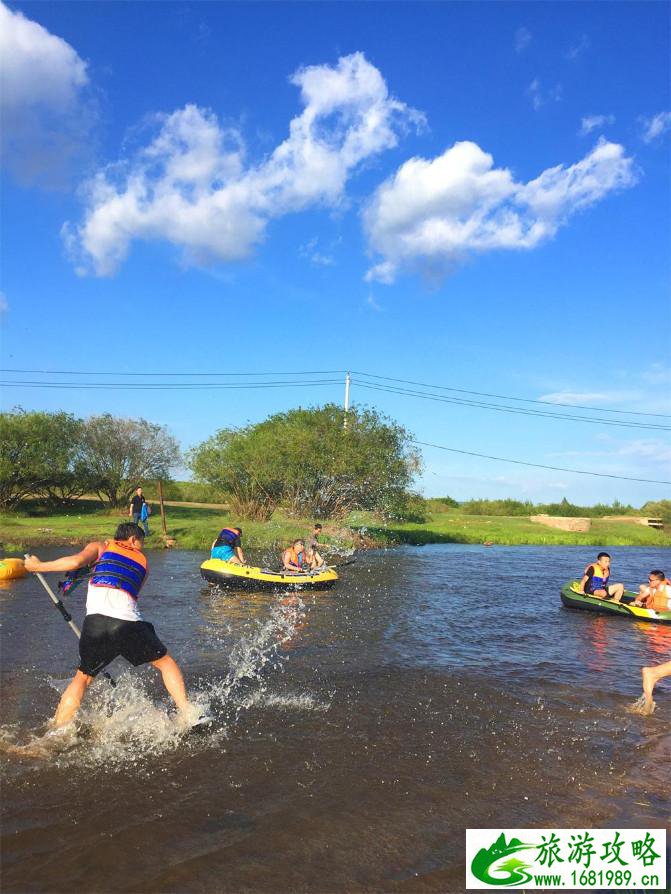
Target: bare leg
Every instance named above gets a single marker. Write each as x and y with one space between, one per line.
72 699
651 676
616 591
173 681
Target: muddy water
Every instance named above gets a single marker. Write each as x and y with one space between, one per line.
358 732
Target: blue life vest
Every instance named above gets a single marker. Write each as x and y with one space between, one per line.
120 567
227 537
594 581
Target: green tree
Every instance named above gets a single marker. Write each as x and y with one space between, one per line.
307 461
120 453
40 455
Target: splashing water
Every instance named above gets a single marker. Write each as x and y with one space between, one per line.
126 725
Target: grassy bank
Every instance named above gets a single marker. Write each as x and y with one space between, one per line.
194 527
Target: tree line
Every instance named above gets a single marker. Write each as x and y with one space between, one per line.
314 462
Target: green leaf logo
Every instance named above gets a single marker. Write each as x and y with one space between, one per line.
510 872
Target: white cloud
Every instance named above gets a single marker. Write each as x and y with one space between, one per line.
45 113
592 122
432 214
541 96
312 252
586 397
657 374
653 450
522 39
575 51
656 126
192 187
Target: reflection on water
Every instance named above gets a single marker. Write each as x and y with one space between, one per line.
357 732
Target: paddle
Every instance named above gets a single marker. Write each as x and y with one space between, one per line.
66 614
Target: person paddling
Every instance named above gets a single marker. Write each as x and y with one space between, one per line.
113 625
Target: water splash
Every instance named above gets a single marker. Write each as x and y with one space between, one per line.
126 725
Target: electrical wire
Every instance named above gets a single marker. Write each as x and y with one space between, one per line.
567 417
168 386
519 462
529 400
72 372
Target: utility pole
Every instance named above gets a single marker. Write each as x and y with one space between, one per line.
160 497
347 384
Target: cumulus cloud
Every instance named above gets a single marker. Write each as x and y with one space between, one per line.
540 96
45 108
432 214
593 122
654 127
312 251
522 39
192 186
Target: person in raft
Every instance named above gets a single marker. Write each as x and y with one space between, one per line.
295 558
595 580
113 624
656 594
227 546
312 547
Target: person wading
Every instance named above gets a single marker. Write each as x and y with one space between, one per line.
113 625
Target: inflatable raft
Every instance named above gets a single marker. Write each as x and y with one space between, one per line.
572 598
11 569
249 577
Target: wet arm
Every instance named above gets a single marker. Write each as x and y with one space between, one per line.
581 585
67 563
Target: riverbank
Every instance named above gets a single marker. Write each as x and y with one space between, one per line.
194 526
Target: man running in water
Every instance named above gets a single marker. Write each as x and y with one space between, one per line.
113 625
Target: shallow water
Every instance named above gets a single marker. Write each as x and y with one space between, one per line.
358 732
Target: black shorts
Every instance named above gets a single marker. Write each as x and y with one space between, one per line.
104 639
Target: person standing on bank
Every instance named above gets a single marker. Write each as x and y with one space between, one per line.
113 625
136 504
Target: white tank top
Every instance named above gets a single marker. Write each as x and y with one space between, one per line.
113 603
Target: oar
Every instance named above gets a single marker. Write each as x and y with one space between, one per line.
342 564
66 614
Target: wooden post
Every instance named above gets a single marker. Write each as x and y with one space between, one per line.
160 497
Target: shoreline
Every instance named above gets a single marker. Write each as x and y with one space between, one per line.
193 528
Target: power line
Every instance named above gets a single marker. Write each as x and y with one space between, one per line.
519 462
567 417
167 386
116 372
529 400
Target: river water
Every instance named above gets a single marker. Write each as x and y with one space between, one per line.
358 732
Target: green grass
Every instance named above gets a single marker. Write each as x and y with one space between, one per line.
195 528
454 526
191 527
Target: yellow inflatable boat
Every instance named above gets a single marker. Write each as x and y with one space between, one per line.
249 577
11 569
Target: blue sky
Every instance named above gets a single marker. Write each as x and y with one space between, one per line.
463 194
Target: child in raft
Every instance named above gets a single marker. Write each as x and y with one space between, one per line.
297 559
595 580
656 594
227 546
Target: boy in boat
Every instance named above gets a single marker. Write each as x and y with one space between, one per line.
312 547
656 594
113 625
594 581
296 559
228 546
